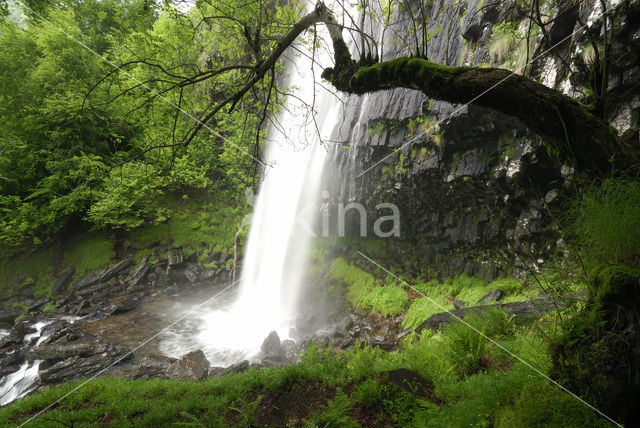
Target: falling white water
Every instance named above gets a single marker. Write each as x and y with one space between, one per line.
20 382
281 228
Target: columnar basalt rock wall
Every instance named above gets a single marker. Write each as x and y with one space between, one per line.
478 193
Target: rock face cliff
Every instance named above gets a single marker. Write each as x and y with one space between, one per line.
477 192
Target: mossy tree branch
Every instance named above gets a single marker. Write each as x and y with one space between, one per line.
572 132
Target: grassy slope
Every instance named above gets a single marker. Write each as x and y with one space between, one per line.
204 229
476 382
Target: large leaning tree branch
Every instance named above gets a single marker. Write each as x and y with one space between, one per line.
570 131
573 133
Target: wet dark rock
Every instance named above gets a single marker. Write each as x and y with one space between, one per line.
77 366
272 348
493 296
237 367
55 330
87 281
408 381
153 366
62 350
346 323
92 289
62 283
34 305
122 304
267 363
115 270
8 313
12 356
459 304
473 33
191 366
191 273
175 258
234 368
522 312
141 272
15 336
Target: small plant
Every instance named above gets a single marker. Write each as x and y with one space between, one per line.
607 222
468 348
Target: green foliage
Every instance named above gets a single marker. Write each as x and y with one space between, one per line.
477 399
422 308
88 253
28 273
614 287
364 294
75 148
463 287
467 348
502 40
543 405
389 300
132 196
606 222
600 347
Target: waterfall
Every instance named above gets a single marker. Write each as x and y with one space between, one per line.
281 226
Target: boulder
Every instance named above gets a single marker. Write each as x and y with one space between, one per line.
77 366
272 348
153 366
191 273
191 366
459 304
237 367
63 350
521 311
290 349
493 296
175 258
122 304
8 313
115 270
87 281
15 336
141 272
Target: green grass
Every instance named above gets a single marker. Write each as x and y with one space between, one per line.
468 289
606 222
35 267
88 252
363 292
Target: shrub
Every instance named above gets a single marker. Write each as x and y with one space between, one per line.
363 293
467 347
543 405
389 300
423 308
598 354
606 222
